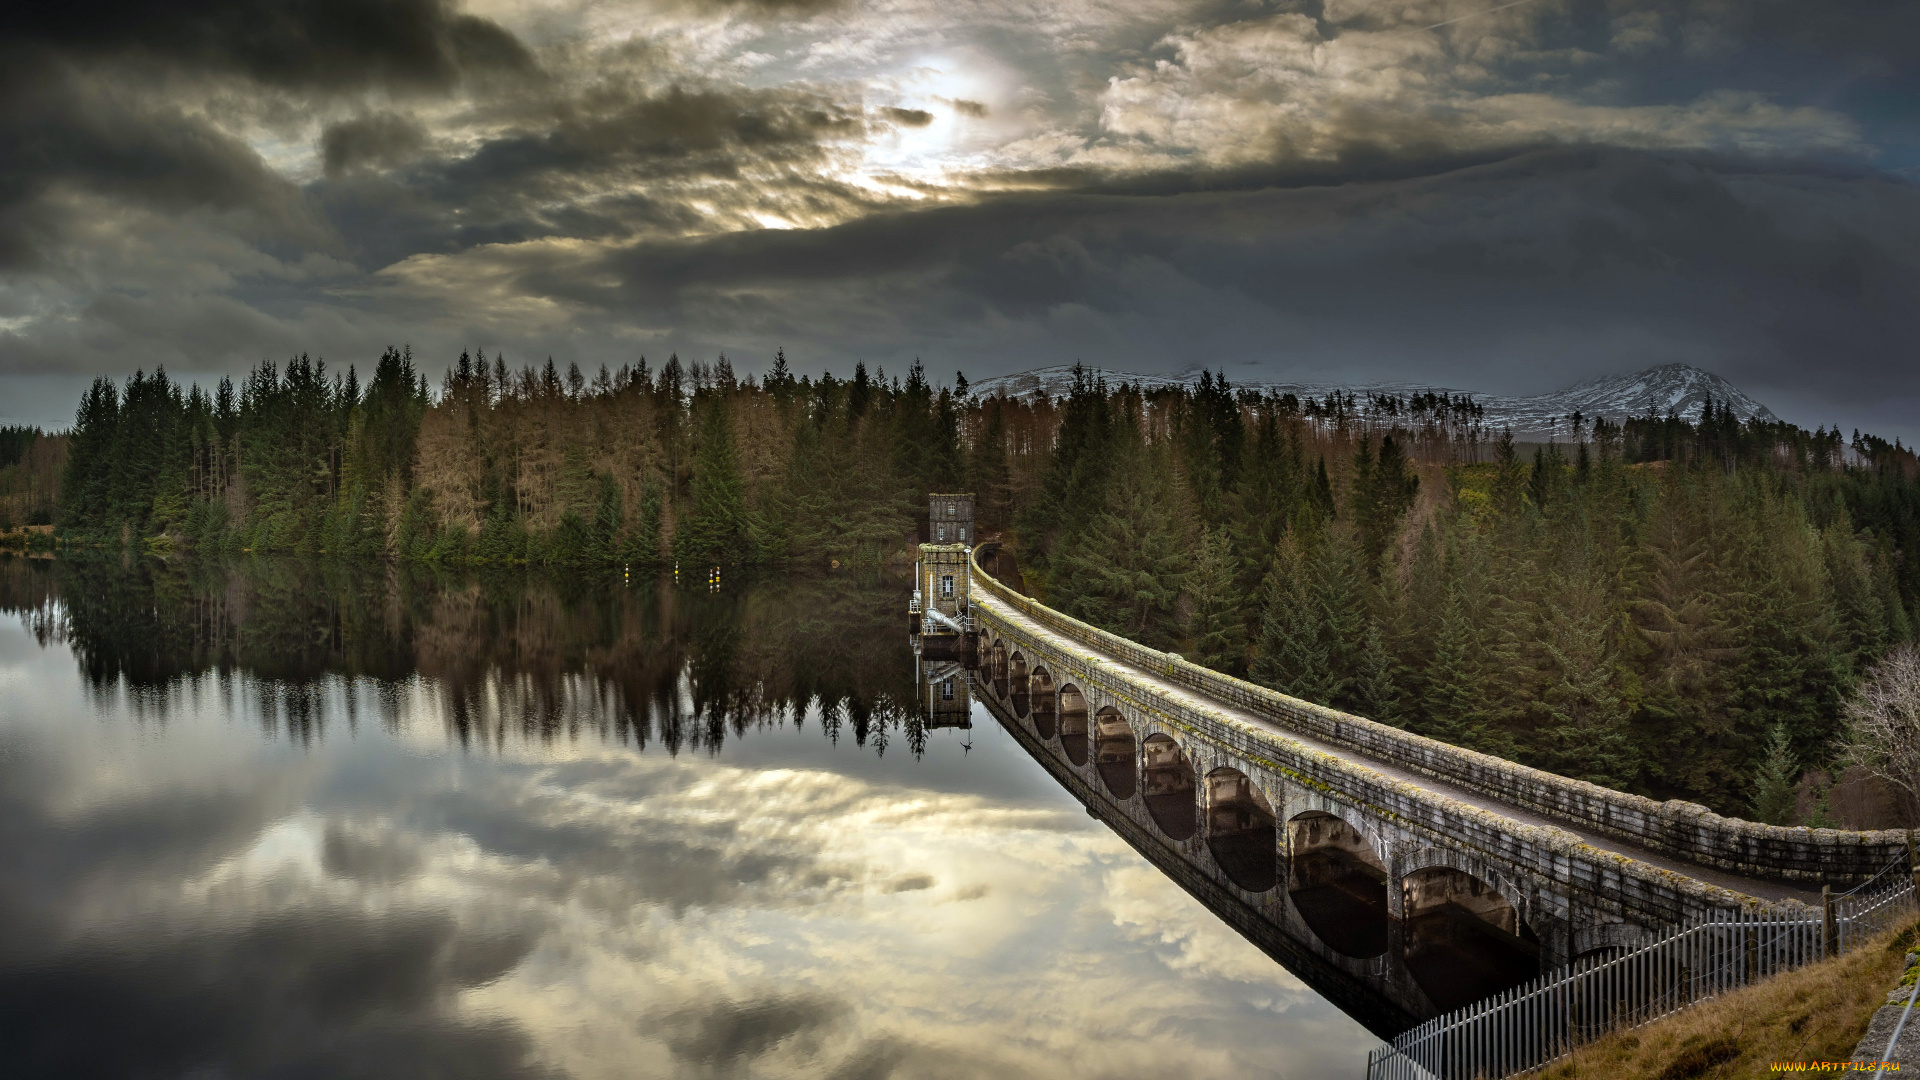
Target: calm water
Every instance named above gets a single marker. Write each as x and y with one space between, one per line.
285 820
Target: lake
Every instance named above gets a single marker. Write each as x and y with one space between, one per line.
279 818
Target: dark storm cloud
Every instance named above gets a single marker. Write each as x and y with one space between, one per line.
908 117
617 160
775 1031
315 993
1500 273
89 99
429 176
1568 215
66 133
55 860
725 1036
630 132
379 139
735 1037
1870 38
314 989
309 44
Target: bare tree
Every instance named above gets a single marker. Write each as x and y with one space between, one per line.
1883 722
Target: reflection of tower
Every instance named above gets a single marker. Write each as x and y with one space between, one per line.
943 691
940 613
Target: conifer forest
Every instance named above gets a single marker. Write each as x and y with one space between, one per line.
1668 607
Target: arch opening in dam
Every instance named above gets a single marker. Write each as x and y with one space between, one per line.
1338 884
1017 681
1114 751
1462 940
1073 733
1043 698
1242 832
997 668
1168 784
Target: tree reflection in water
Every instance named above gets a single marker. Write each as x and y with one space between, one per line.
292 818
508 653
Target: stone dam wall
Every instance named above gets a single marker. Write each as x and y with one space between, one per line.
1680 829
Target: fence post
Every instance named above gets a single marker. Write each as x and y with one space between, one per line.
1829 947
1913 862
1753 953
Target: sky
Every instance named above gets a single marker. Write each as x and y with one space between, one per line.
1502 197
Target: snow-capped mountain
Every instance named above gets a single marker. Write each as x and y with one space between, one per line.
1677 388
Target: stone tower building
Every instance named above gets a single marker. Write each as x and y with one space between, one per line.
950 519
940 611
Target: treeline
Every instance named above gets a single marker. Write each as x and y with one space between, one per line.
1646 608
638 468
1665 606
31 464
291 461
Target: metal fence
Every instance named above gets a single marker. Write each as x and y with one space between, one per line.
1537 1021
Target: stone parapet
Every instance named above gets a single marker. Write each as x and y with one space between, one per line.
1608 885
1680 829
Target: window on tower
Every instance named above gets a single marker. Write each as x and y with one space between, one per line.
946 585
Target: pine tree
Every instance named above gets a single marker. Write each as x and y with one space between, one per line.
1418 624
1216 626
1795 649
1686 602
1337 597
1775 782
1262 504
1862 614
715 523
1123 570
641 548
572 543
84 489
1509 480
1080 466
502 539
1375 692
987 472
608 519
1584 715
946 458
1383 489
1291 657
1459 700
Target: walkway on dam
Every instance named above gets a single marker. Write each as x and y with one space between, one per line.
1756 887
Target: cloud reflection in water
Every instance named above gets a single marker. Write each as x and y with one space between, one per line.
206 894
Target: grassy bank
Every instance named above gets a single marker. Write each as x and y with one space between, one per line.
1816 1013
